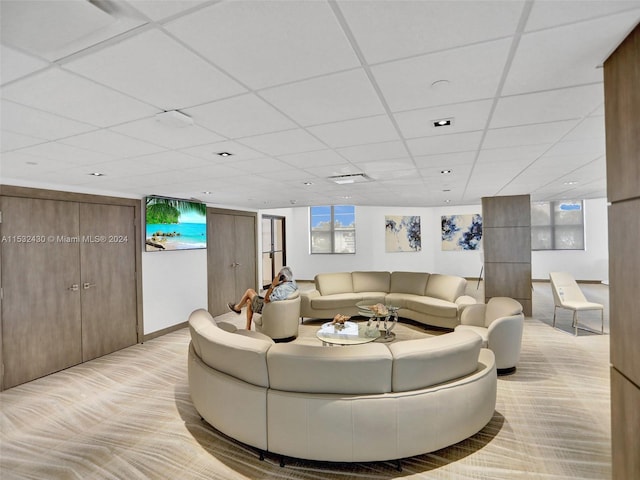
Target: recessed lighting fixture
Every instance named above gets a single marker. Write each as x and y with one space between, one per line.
207 193
445 172
97 174
447 201
443 122
308 183
570 183
224 154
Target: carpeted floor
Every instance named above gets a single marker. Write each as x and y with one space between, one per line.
128 415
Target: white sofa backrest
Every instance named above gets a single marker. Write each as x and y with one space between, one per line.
445 287
423 362
237 355
371 281
330 283
498 307
357 369
409 282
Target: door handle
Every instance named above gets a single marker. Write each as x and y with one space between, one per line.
74 288
87 285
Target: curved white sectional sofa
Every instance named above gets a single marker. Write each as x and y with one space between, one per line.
371 402
429 298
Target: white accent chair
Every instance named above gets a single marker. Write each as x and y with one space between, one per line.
567 295
279 320
499 323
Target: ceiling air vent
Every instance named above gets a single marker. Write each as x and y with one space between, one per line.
350 178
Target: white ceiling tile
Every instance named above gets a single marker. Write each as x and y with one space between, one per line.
380 168
549 106
15 64
240 116
112 143
374 151
125 168
160 9
29 166
466 117
588 149
310 159
543 133
282 143
70 96
14 141
258 166
590 128
549 14
153 131
156 69
457 142
565 56
525 153
273 42
210 151
66 153
340 96
171 160
20 119
473 73
388 30
446 160
356 132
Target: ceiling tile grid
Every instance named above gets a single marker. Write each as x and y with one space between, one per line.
300 91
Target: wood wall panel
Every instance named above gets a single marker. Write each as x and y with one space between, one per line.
506 211
508 280
507 244
622 121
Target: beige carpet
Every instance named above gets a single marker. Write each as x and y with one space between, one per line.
128 416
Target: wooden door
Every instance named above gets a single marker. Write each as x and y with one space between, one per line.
108 279
245 253
41 324
220 261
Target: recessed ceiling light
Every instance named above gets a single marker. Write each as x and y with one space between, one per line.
308 183
97 174
224 154
207 193
445 172
570 183
447 201
443 122
174 119
350 178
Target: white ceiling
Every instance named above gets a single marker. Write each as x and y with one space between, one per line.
299 91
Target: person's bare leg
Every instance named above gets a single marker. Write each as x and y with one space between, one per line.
249 315
248 295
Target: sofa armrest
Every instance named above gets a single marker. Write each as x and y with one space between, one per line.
305 300
464 301
473 315
504 337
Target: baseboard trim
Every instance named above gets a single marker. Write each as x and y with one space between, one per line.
164 331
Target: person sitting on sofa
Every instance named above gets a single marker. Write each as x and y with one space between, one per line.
281 287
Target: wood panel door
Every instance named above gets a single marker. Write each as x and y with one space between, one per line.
41 323
231 258
108 279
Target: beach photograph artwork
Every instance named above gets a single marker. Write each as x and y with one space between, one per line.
175 224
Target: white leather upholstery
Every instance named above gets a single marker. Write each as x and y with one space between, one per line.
500 324
432 299
337 403
279 319
567 295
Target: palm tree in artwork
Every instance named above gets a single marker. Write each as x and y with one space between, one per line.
162 210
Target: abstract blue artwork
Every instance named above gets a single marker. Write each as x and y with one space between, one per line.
402 233
461 232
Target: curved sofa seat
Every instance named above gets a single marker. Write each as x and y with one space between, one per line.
429 298
367 402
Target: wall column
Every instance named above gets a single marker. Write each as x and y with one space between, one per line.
622 119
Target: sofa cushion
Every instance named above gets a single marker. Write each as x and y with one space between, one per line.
431 306
445 287
330 283
337 300
424 362
240 356
409 282
371 281
358 369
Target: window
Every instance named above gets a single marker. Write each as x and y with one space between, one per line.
333 229
557 225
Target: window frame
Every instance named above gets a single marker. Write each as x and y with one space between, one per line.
333 228
553 227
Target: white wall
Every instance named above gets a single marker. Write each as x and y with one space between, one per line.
175 283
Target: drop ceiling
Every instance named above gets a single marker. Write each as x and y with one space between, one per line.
301 91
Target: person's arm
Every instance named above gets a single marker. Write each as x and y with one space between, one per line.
267 296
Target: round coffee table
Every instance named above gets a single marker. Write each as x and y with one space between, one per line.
349 333
389 318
